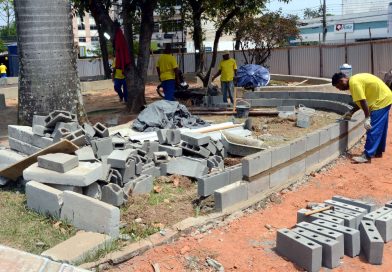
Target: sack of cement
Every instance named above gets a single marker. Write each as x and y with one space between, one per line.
165 114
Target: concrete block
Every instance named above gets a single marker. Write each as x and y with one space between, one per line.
22 146
129 171
206 185
79 137
149 169
297 168
140 185
119 143
78 247
195 150
212 148
279 177
90 214
138 164
186 166
41 130
160 157
286 108
297 148
115 177
102 147
89 129
94 190
324 217
377 213
230 195
345 206
59 162
216 162
58 116
113 194
76 189
324 136
384 226
355 202
258 185
9 157
173 151
195 139
85 153
150 148
334 131
60 133
162 136
280 155
256 163
331 248
44 199
349 220
163 169
388 204
83 175
25 134
358 216
235 172
71 126
119 158
39 121
101 130
371 242
312 140
312 161
352 241
298 249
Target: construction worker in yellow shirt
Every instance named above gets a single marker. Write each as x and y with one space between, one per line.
3 70
167 69
227 71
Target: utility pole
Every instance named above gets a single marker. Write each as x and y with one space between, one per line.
324 20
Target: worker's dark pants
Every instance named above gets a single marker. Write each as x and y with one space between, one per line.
120 86
169 86
227 87
376 137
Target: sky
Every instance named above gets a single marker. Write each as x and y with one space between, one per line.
297 7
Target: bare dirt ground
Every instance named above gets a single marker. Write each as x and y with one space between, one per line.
247 243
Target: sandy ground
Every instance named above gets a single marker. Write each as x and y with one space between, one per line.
247 243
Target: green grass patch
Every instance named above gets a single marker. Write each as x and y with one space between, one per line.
26 230
100 253
168 192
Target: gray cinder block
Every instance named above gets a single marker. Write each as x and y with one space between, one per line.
22 146
161 156
195 150
89 129
58 116
298 249
140 185
256 163
230 195
115 177
93 190
280 176
173 151
162 137
352 240
44 199
118 158
371 242
258 185
79 137
60 133
39 120
119 142
312 140
384 226
206 185
297 148
113 194
355 202
102 147
235 172
331 248
26 135
60 187
349 220
186 166
90 214
85 153
345 206
377 213
358 215
101 130
325 217
280 155
389 204
195 139
129 171
59 162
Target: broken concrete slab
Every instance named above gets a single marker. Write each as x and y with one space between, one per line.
77 248
83 175
44 199
90 214
93 190
189 167
113 194
59 162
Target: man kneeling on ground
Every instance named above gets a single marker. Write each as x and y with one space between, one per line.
374 97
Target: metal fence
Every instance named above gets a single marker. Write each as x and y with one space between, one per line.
317 61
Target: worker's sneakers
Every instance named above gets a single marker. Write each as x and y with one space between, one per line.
378 155
361 159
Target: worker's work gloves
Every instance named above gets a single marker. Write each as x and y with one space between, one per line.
367 123
347 116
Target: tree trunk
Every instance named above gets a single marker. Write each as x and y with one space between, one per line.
104 52
197 11
48 78
237 41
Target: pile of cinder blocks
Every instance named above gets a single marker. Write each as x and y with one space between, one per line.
349 227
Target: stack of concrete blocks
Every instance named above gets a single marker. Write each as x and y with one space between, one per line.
352 226
214 101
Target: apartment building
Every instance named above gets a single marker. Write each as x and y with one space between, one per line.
85 34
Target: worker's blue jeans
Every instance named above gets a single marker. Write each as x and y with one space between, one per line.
227 87
169 86
376 137
120 86
3 75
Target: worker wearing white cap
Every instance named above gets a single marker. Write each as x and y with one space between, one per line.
227 71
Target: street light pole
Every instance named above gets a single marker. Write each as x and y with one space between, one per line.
324 20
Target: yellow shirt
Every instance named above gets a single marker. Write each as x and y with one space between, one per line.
166 64
227 68
372 89
3 69
118 73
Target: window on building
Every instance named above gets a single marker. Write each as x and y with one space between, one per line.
172 26
81 26
156 27
82 39
93 27
95 39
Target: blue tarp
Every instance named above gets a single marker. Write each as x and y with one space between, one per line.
252 75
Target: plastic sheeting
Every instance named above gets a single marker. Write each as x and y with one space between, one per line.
165 114
252 75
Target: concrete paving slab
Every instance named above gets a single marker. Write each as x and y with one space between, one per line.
44 199
59 162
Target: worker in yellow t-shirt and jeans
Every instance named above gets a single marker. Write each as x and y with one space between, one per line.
3 70
227 71
120 84
374 97
167 69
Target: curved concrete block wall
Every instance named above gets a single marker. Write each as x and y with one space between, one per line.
312 83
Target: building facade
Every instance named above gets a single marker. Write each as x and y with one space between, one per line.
85 34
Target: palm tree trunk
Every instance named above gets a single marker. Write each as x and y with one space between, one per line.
48 78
